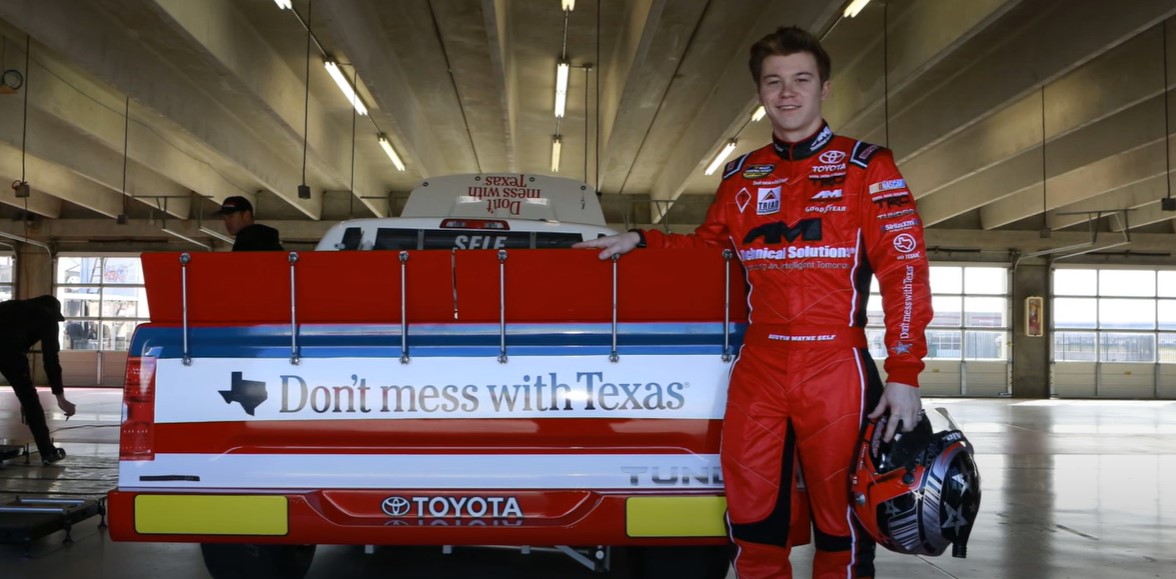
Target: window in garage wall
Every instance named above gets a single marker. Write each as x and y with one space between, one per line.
1114 315
103 299
7 263
971 319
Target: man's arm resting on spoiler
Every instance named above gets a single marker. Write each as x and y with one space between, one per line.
712 233
614 244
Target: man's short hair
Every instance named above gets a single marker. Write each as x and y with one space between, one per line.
235 204
785 41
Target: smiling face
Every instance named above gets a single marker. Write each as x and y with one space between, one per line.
791 90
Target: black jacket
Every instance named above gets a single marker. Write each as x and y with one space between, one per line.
26 322
257 237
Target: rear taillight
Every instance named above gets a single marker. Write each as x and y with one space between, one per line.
138 419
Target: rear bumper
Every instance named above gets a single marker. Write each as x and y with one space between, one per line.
398 517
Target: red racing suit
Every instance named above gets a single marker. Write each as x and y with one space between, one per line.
812 222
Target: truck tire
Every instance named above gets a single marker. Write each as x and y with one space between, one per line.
704 562
244 561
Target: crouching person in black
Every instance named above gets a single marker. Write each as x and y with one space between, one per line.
23 323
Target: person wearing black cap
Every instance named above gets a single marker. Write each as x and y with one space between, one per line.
238 215
22 324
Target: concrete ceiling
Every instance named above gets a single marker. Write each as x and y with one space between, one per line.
979 99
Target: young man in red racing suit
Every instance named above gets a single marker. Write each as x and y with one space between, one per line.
812 216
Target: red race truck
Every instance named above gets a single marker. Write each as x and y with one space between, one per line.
522 397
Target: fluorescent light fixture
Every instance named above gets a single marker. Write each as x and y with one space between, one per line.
758 114
561 88
568 5
556 147
285 4
722 156
387 146
216 234
345 86
855 7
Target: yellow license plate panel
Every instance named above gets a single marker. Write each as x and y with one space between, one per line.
676 516
211 515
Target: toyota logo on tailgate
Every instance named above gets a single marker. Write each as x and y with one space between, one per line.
395 506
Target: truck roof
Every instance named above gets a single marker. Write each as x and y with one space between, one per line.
506 196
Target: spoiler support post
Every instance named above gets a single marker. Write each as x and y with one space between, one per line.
403 307
614 357
294 360
502 306
184 259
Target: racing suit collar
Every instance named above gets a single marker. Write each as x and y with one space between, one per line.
805 148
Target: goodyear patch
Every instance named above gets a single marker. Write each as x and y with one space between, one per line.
757 171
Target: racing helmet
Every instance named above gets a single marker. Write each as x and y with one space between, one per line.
920 492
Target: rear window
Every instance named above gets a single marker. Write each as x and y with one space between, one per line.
402 239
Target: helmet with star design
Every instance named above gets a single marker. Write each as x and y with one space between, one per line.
920 492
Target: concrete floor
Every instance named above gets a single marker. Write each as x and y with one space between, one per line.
1072 489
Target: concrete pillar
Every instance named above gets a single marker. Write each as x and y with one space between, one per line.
34 272
1030 355
34 277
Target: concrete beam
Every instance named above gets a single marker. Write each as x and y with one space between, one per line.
1126 141
642 66
1129 196
38 202
631 45
1020 177
1142 215
1087 181
73 230
727 101
473 41
76 149
359 31
959 244
1009 136
1082 126
1011 195
1053 39
79 101
261 78
49 138
103 47
499 35
920 36
55 180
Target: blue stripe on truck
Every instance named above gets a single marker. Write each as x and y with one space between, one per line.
384 340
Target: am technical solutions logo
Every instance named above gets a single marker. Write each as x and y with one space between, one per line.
248 393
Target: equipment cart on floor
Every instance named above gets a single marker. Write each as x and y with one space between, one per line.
26 519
